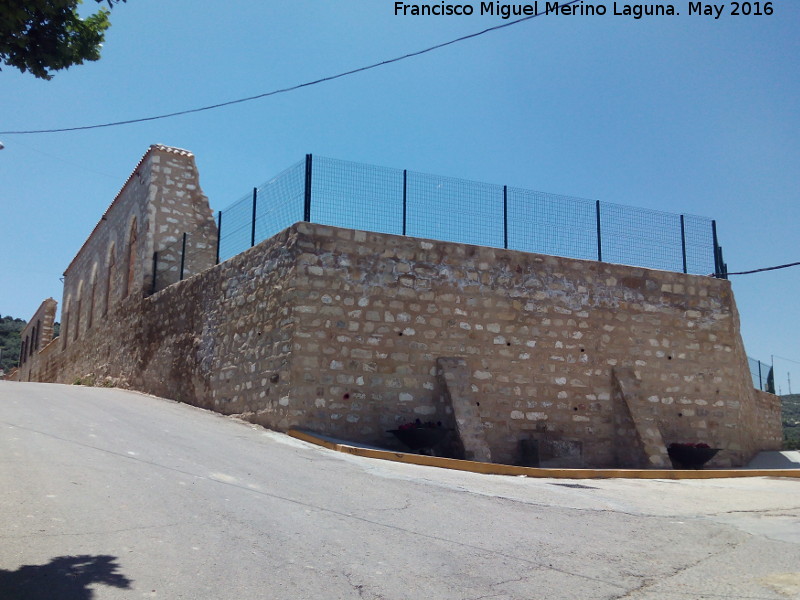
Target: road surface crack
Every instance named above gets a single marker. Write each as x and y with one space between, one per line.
361 588
771 512
649 582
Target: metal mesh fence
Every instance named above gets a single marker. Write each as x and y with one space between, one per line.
454 210
551 224
278 204
358 196
763 375
699 245
640 237
236 227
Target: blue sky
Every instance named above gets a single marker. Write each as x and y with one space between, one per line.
685 114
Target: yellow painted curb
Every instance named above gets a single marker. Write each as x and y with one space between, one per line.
497 469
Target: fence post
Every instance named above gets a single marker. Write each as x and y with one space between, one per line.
307 199
155 272
183 255
599 237
760 378
505 217
717 269
253 222
771 381
683 243
405 199
219 234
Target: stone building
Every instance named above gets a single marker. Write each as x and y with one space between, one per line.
37 334
351 333
160 200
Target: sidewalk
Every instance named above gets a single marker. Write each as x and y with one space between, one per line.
785 459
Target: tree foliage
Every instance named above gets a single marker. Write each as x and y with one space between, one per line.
10 342
43 36
790 405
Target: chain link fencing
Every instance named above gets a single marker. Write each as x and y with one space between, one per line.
763 375
396 201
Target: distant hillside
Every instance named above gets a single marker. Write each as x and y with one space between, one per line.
10 342
790 406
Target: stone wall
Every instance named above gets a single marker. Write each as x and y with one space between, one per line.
353 333
220 339
763 418
341 331
37 334
183 259
541 336
160 201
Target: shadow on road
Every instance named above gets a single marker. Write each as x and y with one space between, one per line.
63 578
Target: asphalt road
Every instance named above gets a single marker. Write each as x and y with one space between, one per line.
111 494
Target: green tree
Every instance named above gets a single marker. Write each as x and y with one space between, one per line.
790 409
42 36
10 342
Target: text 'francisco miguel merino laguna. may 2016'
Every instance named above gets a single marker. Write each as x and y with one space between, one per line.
585 9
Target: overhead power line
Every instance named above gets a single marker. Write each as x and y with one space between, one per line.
786 359
794 264
291 88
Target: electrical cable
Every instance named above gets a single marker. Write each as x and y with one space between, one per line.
291 88
794 264
786 359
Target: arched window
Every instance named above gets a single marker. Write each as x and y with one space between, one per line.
78 303
112 263
131 276
92 287
65 324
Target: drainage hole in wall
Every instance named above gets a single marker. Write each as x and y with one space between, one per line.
346 396
680 414
575 408
508 343
477 404
274 378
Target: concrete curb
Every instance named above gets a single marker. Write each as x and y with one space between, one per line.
497 469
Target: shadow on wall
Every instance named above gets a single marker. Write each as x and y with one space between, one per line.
63 578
